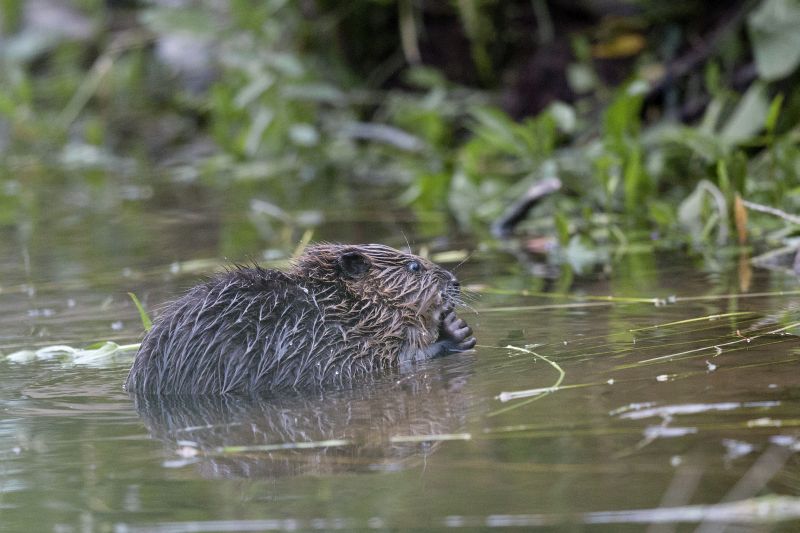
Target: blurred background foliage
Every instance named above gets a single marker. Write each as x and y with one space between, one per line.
661 119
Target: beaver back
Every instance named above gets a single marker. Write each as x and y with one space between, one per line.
246 329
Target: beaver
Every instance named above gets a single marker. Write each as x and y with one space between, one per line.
340 312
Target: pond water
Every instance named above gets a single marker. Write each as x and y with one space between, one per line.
675 404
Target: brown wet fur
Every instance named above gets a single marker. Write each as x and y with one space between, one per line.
340 312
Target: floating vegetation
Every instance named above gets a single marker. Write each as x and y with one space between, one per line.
663 336
430 438
594 301
679 153
535 393
300 445
708 318
717 349
98 354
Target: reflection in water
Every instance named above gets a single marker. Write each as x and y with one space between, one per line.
687 397
314 433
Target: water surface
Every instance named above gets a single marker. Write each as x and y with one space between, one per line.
663 413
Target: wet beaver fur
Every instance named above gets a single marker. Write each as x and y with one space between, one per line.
340 312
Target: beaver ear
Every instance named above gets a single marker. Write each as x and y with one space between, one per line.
354 264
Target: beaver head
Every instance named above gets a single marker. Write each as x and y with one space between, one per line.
388 290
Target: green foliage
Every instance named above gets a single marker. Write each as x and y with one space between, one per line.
776 41
146 322
292 106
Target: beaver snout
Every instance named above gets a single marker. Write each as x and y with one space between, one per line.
448 282
450 290
453 280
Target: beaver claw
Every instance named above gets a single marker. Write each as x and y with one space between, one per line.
457 332
454 336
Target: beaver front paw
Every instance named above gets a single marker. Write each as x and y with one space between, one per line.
454 336
457 332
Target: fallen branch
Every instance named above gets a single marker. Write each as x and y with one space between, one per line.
504 225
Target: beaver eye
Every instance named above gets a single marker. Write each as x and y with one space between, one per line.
414 266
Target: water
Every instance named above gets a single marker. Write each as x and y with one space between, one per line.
691 423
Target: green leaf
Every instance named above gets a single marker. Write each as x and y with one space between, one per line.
776 38
562 228
168 20
748 117
622 116
774 113
698 220
635 180
146 322
496 128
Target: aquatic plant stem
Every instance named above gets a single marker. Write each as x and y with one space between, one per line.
718 347
503 396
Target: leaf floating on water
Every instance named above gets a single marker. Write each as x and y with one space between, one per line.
96 354
100 353
42 354
22 356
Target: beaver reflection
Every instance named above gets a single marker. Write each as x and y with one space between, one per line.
432 401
